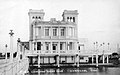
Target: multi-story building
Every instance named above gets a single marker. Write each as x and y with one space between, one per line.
53 41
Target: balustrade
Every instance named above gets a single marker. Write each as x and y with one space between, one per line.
55 51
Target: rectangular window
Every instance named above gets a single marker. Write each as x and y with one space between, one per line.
54 46
38 45
63 32
61 46
47 46
70 46
78 47
55 32
46 31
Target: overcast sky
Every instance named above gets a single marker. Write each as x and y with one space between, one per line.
99 20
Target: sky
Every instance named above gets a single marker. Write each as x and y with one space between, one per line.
98 20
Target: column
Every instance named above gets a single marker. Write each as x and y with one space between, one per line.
43 60
58 61
51 32
37 30
77 60
51 47
64 46
34 32
38 60
68 46
58 48
41 31
49 60
42 47
42 28
103 59
97 60
36 46
75 47
107 59
92 59
59 33
65 59
32 47
67 32
76 32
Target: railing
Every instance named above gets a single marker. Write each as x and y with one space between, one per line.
14 67
54 52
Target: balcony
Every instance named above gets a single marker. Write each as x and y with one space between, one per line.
62 51
55 52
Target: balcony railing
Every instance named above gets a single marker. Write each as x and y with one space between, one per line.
63 51
54 52
54 37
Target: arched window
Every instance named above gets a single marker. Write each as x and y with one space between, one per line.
73 19
39 17
67 18
70 19
33 17
36 17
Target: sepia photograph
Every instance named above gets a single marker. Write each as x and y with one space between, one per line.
59 37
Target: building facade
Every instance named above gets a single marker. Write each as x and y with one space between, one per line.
54 41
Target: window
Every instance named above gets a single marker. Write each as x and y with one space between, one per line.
81 57
61 46
38 45
67 18
63 32
36 17
70 19
39 17
47 46
70 46
33 17
46 31
54 46
55 32
78 47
